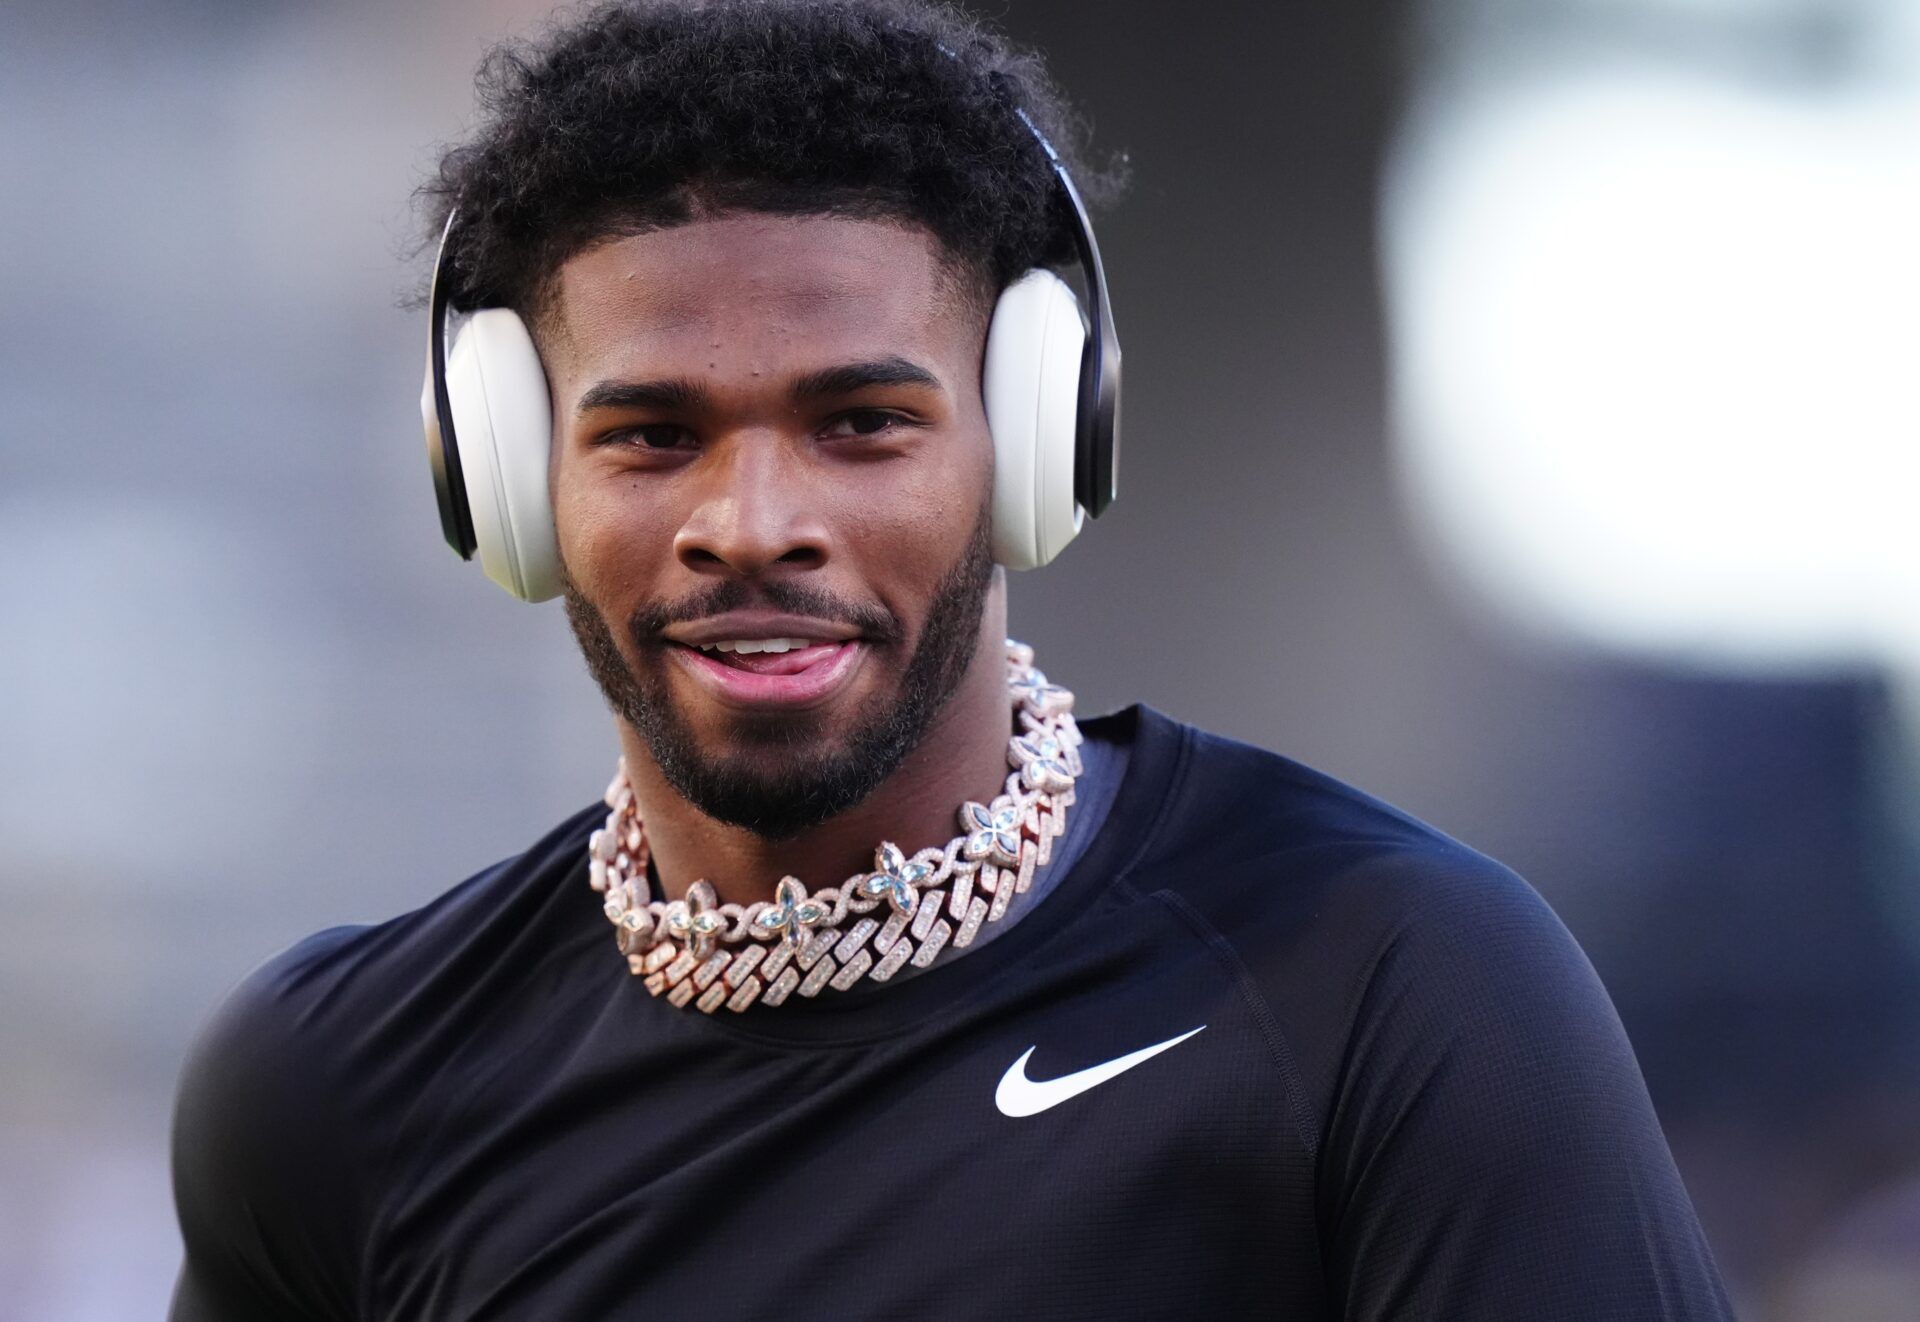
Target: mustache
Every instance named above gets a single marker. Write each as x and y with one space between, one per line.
874 622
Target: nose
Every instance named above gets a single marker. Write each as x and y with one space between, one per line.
751 514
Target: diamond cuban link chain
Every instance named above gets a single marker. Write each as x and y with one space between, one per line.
907 910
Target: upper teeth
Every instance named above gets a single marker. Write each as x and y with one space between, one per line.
756 645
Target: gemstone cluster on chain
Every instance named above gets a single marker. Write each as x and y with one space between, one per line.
905 911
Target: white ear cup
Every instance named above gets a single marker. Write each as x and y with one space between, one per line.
1031 386
502 417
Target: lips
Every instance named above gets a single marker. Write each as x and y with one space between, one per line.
792 661
768 681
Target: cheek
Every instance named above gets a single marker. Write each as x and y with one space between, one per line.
907 539
609 531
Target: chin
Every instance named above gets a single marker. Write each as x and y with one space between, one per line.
778 776
723 734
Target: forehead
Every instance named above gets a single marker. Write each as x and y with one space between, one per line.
711 294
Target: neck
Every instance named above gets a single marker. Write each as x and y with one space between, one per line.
962 756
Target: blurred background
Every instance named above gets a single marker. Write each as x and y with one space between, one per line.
1521 423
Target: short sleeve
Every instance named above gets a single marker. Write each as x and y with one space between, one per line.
1491 1151
262 1181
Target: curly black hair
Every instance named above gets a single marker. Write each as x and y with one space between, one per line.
640 114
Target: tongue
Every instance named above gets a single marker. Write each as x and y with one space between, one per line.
781 663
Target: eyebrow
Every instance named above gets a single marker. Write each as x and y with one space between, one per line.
677 395
893 370
670 396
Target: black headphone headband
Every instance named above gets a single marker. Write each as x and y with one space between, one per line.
443 448
1097 423
1096 475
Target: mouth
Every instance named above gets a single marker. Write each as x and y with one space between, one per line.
784 664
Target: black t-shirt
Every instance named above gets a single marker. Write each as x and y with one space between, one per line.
1387 1085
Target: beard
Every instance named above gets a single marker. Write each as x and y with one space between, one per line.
778 779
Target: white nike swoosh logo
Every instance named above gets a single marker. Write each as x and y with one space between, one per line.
1019 1096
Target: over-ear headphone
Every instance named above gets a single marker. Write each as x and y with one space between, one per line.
1050 382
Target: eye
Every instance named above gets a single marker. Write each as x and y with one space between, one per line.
652 436
864 422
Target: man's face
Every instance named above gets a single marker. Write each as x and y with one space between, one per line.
771 475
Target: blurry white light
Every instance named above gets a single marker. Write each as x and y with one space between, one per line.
1656 351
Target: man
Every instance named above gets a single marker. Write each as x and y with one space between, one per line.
1172 1027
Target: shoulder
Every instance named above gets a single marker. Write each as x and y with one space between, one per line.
1348 914
277 1081
1483 1141
290 1085
259 1055
331 995
1260 840
261 1153
317 999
